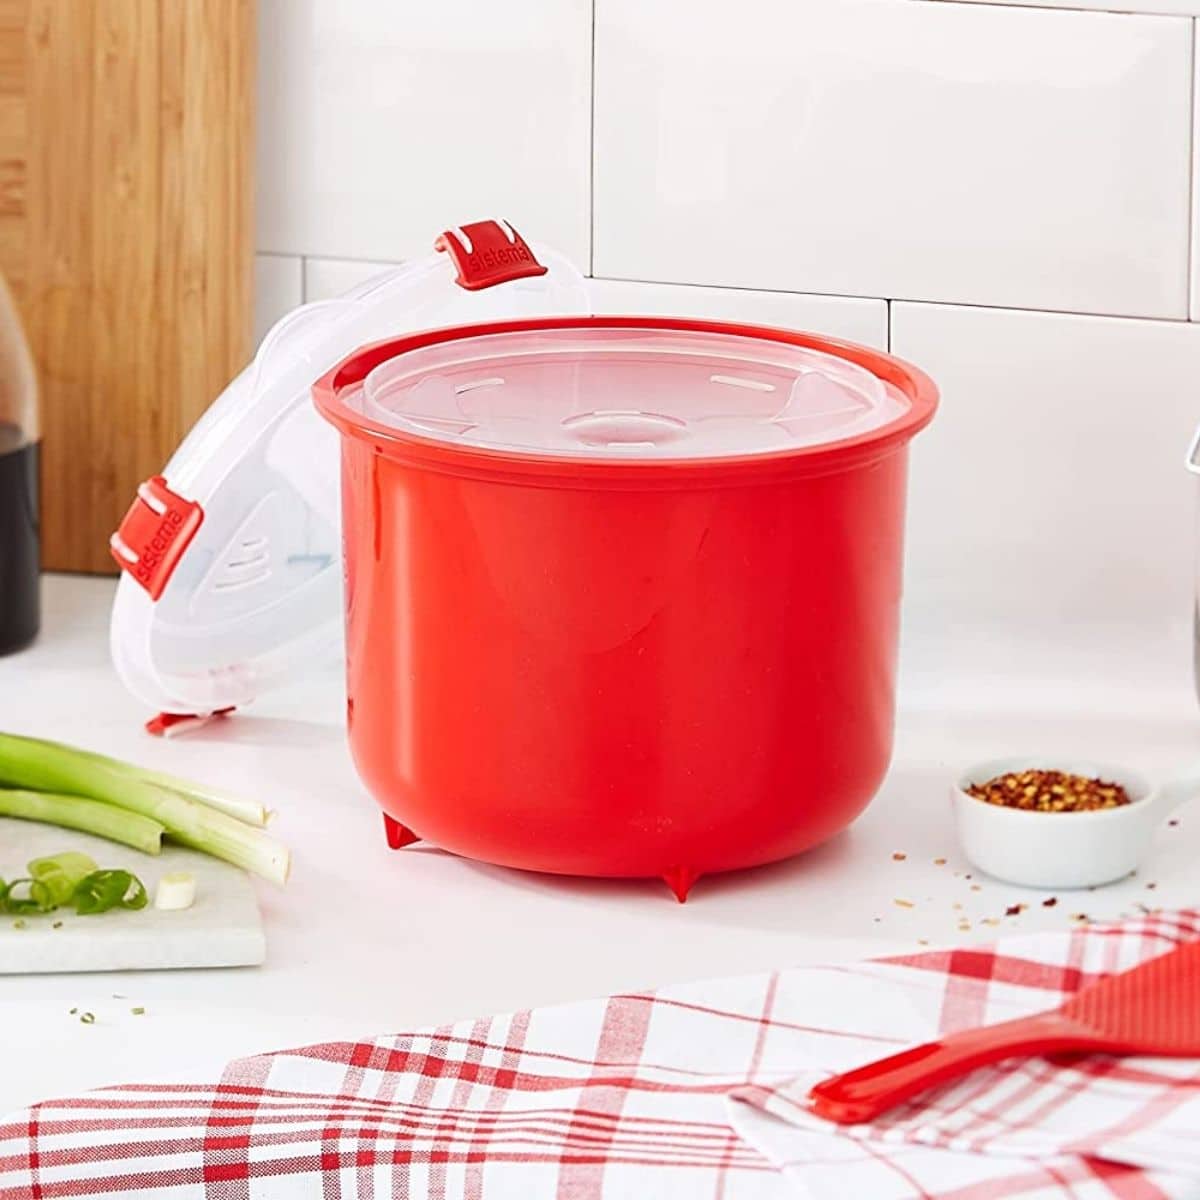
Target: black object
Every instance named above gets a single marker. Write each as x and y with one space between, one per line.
20 607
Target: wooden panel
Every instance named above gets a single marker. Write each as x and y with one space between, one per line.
13 109
126 184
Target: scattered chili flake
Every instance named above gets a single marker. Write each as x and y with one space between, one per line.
975 887
1050 902
903 903
939 862
87 1018
1014 910
1173 821
1080 917
898 856
138 1012
1152 886
1050 791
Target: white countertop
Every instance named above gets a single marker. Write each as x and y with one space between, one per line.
365 941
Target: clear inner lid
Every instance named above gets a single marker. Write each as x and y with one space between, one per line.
626 393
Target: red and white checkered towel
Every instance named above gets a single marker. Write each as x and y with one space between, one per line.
690 1091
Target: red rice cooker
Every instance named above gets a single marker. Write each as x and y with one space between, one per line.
621 593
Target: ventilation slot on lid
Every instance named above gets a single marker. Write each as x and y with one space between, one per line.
247 566
740 381
476 384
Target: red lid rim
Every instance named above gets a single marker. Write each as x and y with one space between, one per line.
917 387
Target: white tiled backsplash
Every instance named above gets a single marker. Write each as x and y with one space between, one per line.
1002 193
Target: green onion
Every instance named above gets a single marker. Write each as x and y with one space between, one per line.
71 878
249 812
30 902
56 877
88 816
102 890
30 763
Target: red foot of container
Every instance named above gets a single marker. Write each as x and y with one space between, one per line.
680 880
398 836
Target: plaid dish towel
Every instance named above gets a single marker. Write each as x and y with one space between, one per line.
690 1091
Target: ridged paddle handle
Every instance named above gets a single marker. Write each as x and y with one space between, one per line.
866 1092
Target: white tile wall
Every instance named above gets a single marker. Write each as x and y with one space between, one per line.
856 320
1050 487
871 150
1195 197
382 123
278 288
325 278
940 151
862 321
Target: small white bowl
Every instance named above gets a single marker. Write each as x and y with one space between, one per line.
1062 849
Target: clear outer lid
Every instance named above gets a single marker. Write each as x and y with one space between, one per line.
255 596
626 393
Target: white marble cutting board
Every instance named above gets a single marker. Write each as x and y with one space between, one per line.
223 927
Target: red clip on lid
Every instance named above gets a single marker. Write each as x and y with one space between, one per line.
487 253
154 534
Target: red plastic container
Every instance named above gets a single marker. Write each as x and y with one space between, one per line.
614 608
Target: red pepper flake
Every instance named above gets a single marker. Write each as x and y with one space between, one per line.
1173 821
1014 910
1050 791
1152 886
1050 902
939 862
898 856
1080 917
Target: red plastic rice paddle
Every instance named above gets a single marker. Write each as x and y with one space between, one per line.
1153 1009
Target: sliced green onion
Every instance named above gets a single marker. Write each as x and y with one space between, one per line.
52 767
88 816
102 890
176 891
56 877
21 904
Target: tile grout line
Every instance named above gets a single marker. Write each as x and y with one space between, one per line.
878 299
889 303
1191 181
591 267
1077 6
